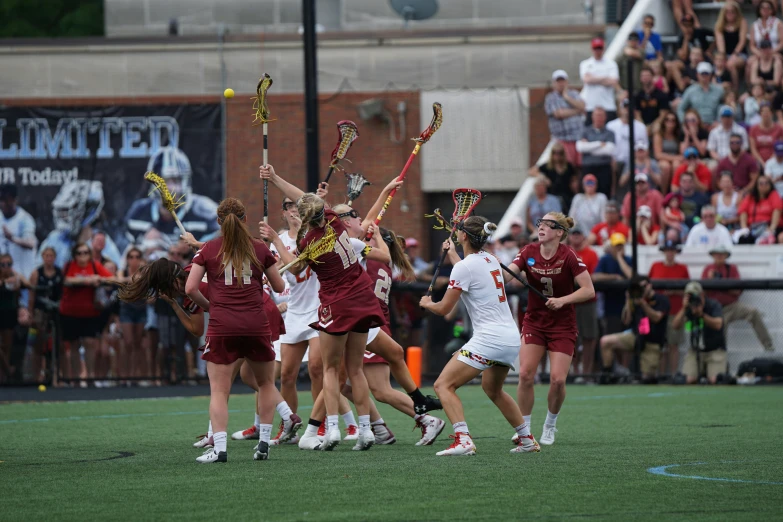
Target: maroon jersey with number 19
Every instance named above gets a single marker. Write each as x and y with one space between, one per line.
554 278
235 310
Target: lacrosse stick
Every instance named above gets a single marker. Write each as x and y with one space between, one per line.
347 132
437 120
315 249
465 200
356 184
524 283
170 201
262 117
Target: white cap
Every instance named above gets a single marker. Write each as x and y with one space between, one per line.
704 68
641 145
560 73
644 211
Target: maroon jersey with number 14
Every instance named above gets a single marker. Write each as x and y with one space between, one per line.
554 278
235 310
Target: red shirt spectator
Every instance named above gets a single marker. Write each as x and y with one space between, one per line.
699 169
761 211
79 301
669 268
645 196
601 232
743 168
764 139
722 271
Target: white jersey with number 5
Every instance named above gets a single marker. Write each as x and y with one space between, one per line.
480 278
303 295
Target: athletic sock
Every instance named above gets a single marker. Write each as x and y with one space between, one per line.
364 422
419 417
312 427
527 419
349 419
220 441
461 427
331 423
523 430
551 418
284 411
375 423
257 421
417 396
265 431
209 431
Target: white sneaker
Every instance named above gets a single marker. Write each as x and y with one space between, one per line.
365 440
332 439
212 456
250 433
430 429
526 445
261 451
548 437
383 435
310 442
462 445
204 442
295 440
352 432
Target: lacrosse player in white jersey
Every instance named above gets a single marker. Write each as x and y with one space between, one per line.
478 281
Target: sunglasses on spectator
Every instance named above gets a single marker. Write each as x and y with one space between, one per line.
6 265
82 252
352 213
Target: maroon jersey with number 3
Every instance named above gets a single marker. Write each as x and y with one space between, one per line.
554 278
235 310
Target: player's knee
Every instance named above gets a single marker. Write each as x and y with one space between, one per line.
493 392
441 386
557 382
527 377
288 376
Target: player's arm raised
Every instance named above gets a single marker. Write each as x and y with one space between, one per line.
270 234
268 172
378 205
380 252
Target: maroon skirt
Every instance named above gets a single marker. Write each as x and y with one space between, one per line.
276 324
226 350
357 313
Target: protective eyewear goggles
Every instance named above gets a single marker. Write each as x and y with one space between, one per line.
554 225
352 213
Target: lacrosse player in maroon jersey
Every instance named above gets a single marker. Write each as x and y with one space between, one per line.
235 265
550 326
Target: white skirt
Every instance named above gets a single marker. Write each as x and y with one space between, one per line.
297 327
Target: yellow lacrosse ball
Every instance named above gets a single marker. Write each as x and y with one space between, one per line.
228 93
41 388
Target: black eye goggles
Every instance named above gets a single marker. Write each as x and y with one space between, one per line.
554 225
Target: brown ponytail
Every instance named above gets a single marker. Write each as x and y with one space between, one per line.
398 257
238 245
158 278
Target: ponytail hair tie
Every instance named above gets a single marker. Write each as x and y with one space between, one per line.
486 228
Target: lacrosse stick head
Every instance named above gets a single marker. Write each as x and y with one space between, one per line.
465 200
260 107
321 246
356 184
441 223
169 200
347 132
437 120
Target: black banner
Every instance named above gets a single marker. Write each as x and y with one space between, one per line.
80 171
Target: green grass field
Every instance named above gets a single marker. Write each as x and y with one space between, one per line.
133 460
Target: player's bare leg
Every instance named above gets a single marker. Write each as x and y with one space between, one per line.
453 376
315 367
529 357
559 363
332 351
354 366
247 376
492 382
291 359
220 379
393 353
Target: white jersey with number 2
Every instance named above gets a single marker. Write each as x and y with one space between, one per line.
480 278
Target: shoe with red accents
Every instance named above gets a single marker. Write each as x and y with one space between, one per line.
322 429
352 432
290 427
430 429
250 433
526 445
383 435
276 440
462 445
204 442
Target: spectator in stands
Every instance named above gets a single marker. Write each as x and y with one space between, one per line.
752 105
703 96
634 54
652 104
694 134
132 360
586 313
614 265
767 27
764 135
506 249
666 148
412 249
564 108
719 142
721 74
643 164
703 319
602 232
46 284
647 232
768 68
774 167
645 196
692 199
760 211
517 230
541 204
672 217
669 268
731 35
733 310
708 232
588 208
651 43
11 284
597 147
646 314
744 169
684 14
18 227
700 171
726 201
685 73
559 175
600 77
693 35
621 128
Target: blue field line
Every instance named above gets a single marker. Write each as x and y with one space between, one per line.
663 471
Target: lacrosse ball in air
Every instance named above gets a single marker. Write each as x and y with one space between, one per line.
41 388
228 93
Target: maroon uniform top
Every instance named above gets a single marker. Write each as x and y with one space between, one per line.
235 310
339 272
554 278
190 306
380 274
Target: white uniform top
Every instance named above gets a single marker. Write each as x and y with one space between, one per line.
303 288
480 278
